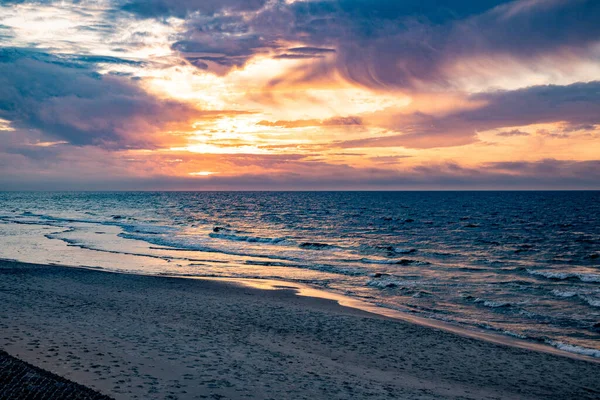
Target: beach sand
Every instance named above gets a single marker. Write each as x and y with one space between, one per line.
132 336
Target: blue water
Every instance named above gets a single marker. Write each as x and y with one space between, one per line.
524 264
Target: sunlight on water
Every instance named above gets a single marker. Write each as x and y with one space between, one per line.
521 264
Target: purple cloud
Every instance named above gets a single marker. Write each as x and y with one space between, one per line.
387 43
73 103
576 104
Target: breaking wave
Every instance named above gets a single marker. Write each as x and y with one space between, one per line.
593 278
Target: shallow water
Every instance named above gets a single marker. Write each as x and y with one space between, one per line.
524 264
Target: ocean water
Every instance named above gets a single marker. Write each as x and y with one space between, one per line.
524 264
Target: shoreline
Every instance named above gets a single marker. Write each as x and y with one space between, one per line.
155 334
306 290
346 301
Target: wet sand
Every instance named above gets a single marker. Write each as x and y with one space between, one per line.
131 336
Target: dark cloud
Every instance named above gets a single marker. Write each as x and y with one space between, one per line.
85 59
70 101
310 50
402 44
376 43
527 28
181 8
297 56
6 32
337 121
390 43
511 133
575 104
579 127
223 40
550 168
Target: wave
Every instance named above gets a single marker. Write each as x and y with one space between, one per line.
492 304
270 263
116 220
77 243
189 243
175 243
514 334
560 293
244 238
314 267
388 250
49 218
591 301
403 261
147 229
389 283
399 250
335 270
316 246
594 302
592 278
575 349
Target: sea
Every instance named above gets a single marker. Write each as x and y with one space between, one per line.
524 264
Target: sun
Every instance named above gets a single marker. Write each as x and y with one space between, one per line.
202 173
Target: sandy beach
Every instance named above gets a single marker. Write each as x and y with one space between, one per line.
132 336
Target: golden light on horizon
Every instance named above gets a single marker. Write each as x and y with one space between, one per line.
202 173
251 98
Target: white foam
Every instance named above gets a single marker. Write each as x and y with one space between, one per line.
594 302
575 349
591 301
560 293
566 275
390 283
492 304
514 334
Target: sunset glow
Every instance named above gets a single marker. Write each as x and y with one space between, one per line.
264 96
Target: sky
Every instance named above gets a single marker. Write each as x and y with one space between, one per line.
299 95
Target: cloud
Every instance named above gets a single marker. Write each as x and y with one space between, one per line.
181 8
579 127
297 56
72 102
6 32
511 133
575 104
366 74
310 50
387 44
299 53
388 159
383 44
303 123
70 171
549 168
